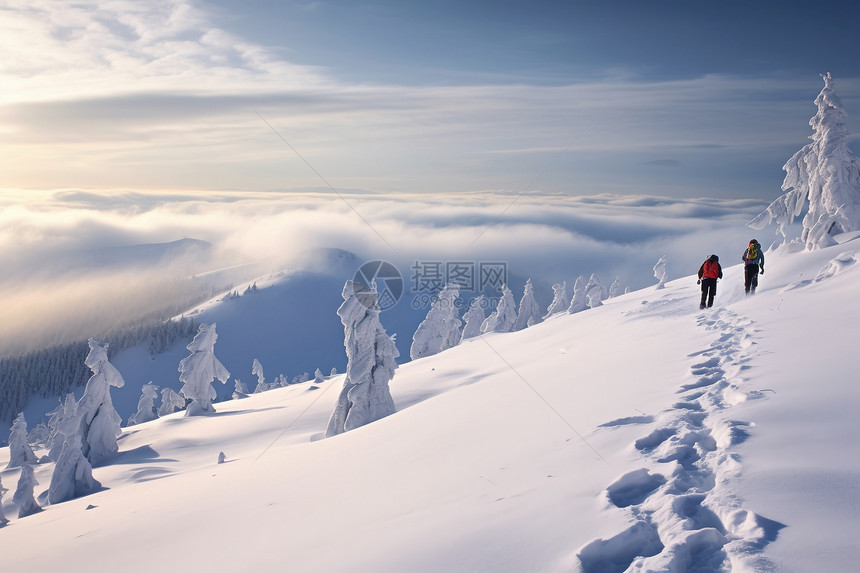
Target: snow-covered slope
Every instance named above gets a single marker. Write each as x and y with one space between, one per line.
643 435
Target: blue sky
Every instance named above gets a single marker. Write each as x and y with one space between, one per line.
682 99
554 42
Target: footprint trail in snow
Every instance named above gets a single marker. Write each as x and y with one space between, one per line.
685 516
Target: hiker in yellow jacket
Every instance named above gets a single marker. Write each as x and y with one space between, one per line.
753 259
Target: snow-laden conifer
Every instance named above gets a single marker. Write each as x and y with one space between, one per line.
615 288
823 177
3 520
371 360
199 370
65 410
170 402
529 312
660 272
318 376
559 302
23 496
473 319
239 389
578 301
100 422
73 473
440 329
145 405
20 452
257 370
504 317
594 292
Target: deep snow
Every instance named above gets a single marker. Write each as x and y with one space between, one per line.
643 435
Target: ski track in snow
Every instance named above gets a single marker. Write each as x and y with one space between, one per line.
685 517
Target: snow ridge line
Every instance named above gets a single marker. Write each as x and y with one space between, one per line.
687 518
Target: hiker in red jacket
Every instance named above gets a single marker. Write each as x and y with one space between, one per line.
709 272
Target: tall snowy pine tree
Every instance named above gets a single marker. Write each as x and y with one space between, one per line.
823 177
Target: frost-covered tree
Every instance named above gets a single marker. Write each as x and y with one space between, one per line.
578 302
100 422
318 375
333 372
239 389
594 292
145 405
170 402
73 473
473 319
199 370
823 177
371 360
615 288
559 302
3 490
20 452
440 329
257 370
529 312
303 377
39 435
504 317
55 421
660 272
23 496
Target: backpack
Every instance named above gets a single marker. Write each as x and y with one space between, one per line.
710 269
752 251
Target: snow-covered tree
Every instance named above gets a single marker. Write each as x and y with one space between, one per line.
239 389
100 422
303 377
529 312
55 422
594 292
440 329
371 360
199 370
559 302
823 177
3 520
20 452
333 372
145 405
578 302
504 317
615 288
39 435
318 375
660 272
73 473
257 370
170 402
473 319
23 496
3 490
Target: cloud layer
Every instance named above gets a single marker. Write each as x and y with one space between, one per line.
547 237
